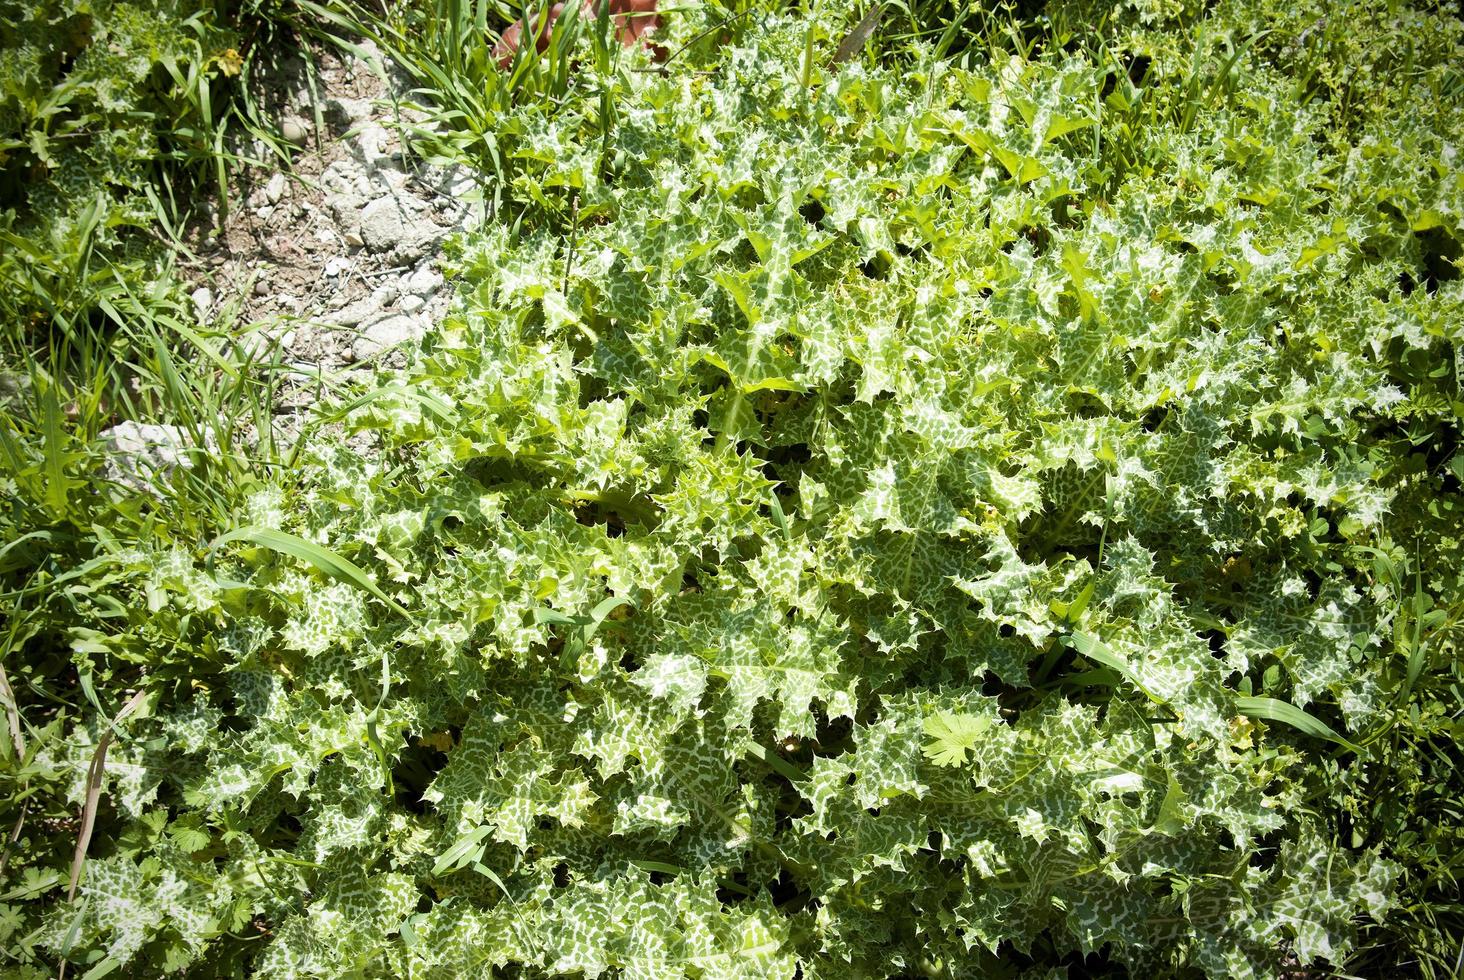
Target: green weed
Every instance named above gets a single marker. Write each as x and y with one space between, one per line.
968 500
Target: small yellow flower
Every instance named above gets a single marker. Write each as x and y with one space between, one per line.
230 63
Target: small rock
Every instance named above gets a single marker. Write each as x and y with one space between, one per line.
346 113
261 288
353 238
386 332
458 182
265 212
424 281
144 452
357 312
372 141
381 223
399 225
411 303
294 132
275 189
338 177
336 266
202 301
387 173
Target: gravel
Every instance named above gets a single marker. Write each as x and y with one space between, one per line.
330 264
343 248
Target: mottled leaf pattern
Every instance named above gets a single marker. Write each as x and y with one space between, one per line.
846 558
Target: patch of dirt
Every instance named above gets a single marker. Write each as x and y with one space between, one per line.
333 258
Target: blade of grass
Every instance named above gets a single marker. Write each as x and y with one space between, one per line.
776 762
373 719
428 401
93 799
12 715
1099 652
69 940
56 495
1285 713
855 40
326 561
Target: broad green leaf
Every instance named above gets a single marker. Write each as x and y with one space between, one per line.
952 736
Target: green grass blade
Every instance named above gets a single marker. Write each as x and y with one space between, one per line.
1101 653
55 448
777 763
1285 713
462 852
328 562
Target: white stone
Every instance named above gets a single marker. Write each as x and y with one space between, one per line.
394 179
387 332
400 225
458 183
424 281
372 141
346 189
352 111
142 452
202 301
358 312
411 303
336 266
339 176
275 189
381 223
